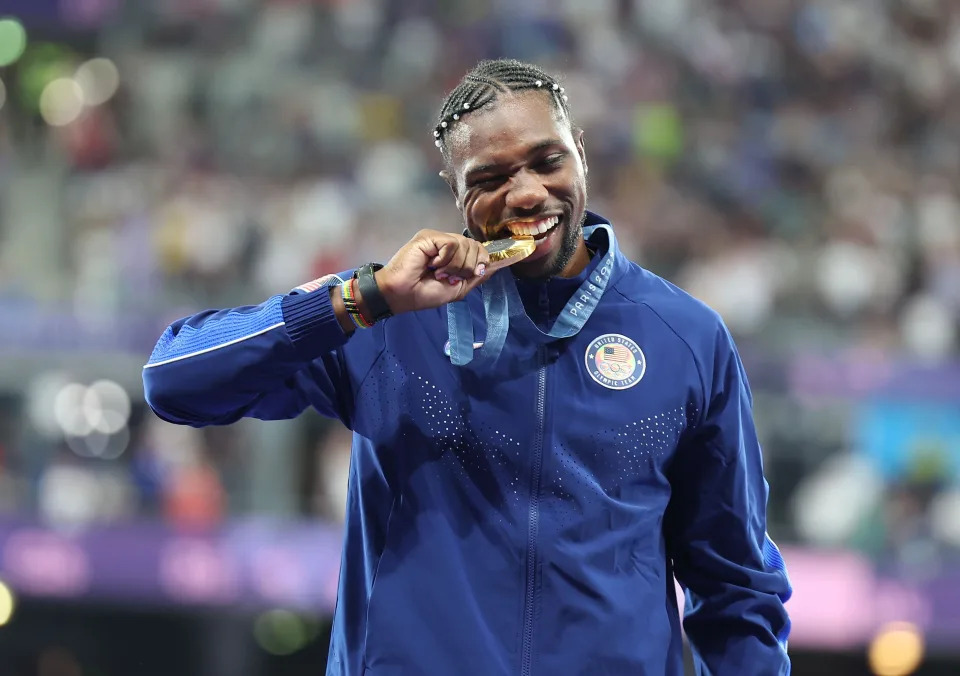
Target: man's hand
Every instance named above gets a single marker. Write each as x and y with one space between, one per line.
432 269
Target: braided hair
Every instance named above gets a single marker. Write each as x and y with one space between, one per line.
480 88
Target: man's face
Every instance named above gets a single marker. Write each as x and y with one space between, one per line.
516 168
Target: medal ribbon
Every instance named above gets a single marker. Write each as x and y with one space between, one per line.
502 306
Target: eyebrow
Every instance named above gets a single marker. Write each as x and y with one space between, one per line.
533 150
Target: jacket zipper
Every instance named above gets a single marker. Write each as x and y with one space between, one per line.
533 523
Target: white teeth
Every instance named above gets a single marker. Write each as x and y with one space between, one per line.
534 228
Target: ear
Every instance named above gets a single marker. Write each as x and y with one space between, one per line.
446 176
578 137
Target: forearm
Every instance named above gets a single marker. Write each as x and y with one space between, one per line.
733 574
216 367
738 626
739 654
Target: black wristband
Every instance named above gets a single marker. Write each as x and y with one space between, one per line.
376 304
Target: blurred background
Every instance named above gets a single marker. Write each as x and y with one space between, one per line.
793 163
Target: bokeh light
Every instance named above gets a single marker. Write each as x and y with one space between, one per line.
93 419
98 79
897 650
13 40
68 410
107 406
41 396
659 131
61 102
100 445
42 63
281 632
7 604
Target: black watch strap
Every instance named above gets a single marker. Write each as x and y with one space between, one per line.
374 301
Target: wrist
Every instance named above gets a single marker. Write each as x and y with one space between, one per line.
356 308
372 299
340 310
361 303
383 284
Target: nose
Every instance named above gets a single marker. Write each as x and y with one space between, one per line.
526 193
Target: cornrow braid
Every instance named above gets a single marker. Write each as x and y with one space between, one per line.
480 87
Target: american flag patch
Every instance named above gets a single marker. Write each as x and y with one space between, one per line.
319 282
617 353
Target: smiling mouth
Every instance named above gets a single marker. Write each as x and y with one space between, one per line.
535 228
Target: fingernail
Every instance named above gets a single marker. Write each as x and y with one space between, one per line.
455 280
441 275
481 269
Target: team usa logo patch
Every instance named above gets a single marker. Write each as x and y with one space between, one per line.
615 361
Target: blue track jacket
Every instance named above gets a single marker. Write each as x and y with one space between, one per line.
526 518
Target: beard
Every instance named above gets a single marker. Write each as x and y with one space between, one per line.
573 233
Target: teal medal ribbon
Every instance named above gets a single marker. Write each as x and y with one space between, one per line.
502 306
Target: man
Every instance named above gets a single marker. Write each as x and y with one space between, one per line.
519 503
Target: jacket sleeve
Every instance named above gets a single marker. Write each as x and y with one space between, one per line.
267 361
732 573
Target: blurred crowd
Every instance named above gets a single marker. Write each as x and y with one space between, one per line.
793 163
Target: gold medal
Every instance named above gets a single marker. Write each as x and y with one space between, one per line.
509 250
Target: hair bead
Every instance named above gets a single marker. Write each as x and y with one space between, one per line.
485 82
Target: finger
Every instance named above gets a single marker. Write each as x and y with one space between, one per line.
483 256
471 262
456 268
480 267
476 263
457 265
446 249
473 282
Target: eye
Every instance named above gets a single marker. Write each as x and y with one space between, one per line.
488 182
551 162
